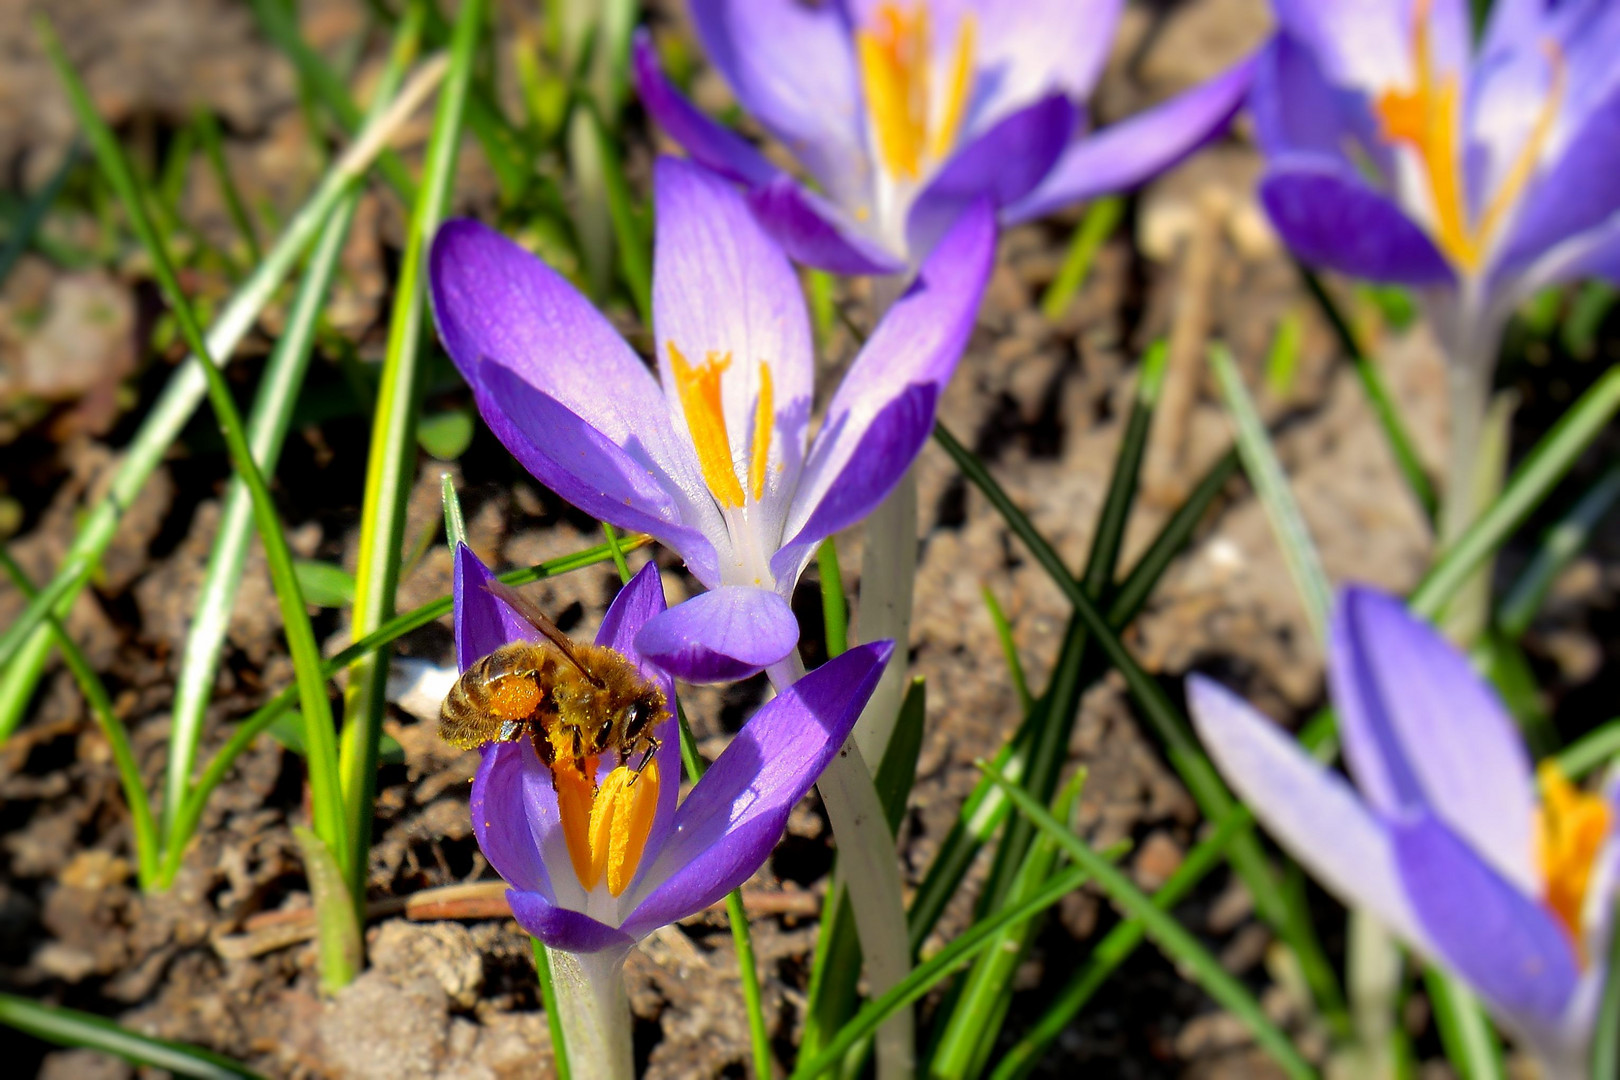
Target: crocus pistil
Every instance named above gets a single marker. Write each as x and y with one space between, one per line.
1572 830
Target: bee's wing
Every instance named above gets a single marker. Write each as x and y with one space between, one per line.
537 619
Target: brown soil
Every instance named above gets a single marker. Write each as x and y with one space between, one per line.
224 959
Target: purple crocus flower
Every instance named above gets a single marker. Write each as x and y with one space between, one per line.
712 457
1400 152
903 112
597 873
1443 838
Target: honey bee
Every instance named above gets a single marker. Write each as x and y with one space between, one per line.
575 701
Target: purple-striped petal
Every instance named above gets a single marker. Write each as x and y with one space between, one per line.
1030 48
899 373
1369 45
1003 165
1297 110
721 635
638 603
1329 217
728 824
563 928
588 469
1505 944
815 233
483 621
1311 811
1575 194
1135 150
792 66
721 288
1422 731
500 820
714 145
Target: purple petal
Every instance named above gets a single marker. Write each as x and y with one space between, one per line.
1311 811
721 635
1505 944
500 309
1329 217
815 233
563 928
1004 165
1133 151
714 145
721 287
728 824
638 603
1031 48
483 621
916 345
1421 730
1369 45
1575 194
589 470
792 66
1297 110
501 822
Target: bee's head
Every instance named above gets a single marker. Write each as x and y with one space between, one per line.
645 710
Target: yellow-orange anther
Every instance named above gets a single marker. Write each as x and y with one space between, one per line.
699 391
576 794
759 453
620 821
1571 828
895 55
1428 118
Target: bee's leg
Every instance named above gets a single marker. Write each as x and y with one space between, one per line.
653 743
542 745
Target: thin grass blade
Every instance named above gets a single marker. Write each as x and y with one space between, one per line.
1557 550
70 1027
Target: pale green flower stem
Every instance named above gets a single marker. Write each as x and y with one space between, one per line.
594 1011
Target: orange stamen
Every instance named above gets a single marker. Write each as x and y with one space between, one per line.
620 821
699 391
764 420
895 55
576 794
1571 829
1428 118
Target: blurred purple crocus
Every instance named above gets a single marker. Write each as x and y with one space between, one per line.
903 112
1400 152
712 457
663 861
1443 838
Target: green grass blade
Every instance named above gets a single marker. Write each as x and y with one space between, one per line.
335 913
261 719
112 728
1557 550
593 221
1379 397
926 975
25 647
301 643
634 245
69 1027
619 562
391 461
1168 934
1591 750
267 431
1271 486
1101 219
214 151
1009 649
455 523
834 607
968 1033
1112 951
1466 1034
1540 471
